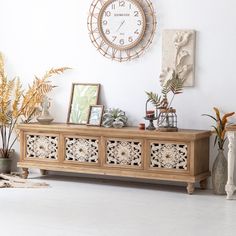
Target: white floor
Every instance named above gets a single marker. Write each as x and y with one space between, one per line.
75 206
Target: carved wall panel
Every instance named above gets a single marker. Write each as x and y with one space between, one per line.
82 150
178 53
127 153
42 147
170 156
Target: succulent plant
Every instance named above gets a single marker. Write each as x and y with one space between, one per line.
112 115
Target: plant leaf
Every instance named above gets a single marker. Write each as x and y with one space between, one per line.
210 116
176 85
154 99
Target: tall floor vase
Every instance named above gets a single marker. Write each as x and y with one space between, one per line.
219 173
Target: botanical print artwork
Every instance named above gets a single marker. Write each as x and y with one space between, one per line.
95 115
83 95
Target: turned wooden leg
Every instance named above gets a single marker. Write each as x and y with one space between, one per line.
203 184
230 186
43 172
190 188
25 173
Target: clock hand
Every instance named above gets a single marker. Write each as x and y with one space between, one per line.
120 25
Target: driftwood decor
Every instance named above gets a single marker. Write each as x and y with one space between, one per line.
11 181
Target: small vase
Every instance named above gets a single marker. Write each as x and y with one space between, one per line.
219 173
45 118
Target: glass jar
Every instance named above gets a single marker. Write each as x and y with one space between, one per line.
167 119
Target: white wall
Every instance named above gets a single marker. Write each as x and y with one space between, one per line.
36 35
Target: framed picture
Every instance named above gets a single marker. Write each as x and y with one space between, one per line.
82 97
95 115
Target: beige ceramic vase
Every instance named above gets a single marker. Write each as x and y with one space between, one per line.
219 173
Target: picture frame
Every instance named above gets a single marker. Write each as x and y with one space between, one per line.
95 115
83 95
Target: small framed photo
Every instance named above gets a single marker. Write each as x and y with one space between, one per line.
95 115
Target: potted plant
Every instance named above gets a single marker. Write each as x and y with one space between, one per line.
17 105
172 81
114 117
219 169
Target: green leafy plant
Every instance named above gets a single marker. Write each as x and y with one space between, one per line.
172 79
172 86
17 105
114 114
219 127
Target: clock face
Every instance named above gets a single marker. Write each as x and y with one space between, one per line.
122 23
121 29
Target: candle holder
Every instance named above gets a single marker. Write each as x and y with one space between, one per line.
151 115
151 125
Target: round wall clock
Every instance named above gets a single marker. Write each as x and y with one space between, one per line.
121 29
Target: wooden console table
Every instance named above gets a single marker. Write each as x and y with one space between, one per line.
230 186
128 152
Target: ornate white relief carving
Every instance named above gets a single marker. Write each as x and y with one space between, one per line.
170 156
124 153
82 150
42 147
178 53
